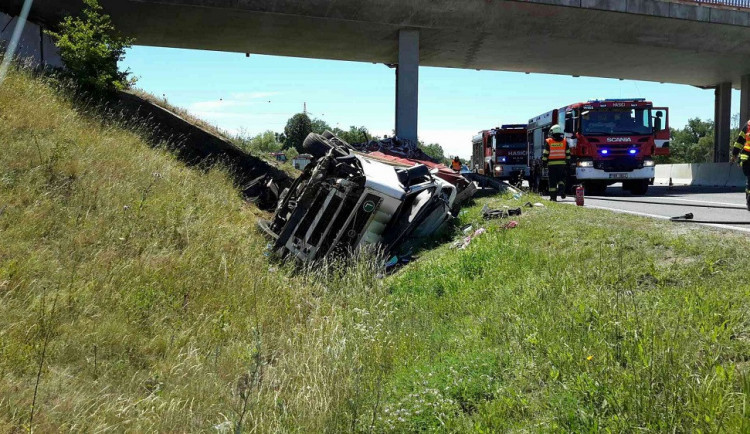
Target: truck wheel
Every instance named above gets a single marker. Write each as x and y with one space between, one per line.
316 145
639 188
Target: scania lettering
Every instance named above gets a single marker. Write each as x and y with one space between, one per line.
501 152
612 140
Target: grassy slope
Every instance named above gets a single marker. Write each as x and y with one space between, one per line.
148 283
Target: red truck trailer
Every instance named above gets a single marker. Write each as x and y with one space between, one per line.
611 140
501 152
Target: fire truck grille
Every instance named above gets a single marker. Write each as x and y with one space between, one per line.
621 165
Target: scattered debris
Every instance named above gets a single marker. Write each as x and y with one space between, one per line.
511 224
464 243
688 216
489 213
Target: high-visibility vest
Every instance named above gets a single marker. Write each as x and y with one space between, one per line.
557 149
747 140
456 165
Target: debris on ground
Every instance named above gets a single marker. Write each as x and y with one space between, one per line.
489 213
510 225
688 216
464 243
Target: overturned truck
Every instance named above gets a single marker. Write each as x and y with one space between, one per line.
344 200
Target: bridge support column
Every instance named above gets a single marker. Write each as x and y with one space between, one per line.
744 100
407 84
722 122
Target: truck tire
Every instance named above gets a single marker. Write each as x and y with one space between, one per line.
316 145
640 187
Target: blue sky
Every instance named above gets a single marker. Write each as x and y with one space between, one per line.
249 95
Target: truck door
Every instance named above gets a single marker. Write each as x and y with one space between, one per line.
660 118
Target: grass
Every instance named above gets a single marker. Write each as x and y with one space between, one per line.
135 296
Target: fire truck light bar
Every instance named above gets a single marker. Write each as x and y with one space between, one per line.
617 100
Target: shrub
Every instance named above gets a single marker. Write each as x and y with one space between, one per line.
90 48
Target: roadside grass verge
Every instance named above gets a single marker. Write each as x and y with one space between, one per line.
576 320
135 296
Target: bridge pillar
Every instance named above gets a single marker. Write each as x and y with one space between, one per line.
744 100
722 122
407 84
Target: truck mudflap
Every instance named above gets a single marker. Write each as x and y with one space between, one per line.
343 201
590 173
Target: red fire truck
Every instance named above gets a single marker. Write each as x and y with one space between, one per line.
501 152
612 140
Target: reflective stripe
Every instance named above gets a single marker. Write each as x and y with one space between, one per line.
557 150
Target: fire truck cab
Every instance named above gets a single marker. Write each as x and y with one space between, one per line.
501 152
612 140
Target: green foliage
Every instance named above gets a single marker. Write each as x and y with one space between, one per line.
91 49
694 143
319 126
262 143
353 135
297 128
434 150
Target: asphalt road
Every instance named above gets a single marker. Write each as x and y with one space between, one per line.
715 205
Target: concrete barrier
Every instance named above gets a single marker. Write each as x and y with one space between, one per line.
703 174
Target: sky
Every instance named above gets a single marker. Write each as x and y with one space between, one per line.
249 95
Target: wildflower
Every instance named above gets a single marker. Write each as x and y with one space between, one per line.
590 358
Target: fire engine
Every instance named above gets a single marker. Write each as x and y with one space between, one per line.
611 140
501 152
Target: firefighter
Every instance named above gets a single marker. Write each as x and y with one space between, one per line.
555 157
742 148
456 164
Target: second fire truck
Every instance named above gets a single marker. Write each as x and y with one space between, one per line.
501 152
612 140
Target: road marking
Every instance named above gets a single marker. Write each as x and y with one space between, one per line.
641 200
661 217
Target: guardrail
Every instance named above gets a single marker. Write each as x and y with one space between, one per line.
743 4
703 174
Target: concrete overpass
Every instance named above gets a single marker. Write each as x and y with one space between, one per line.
695 43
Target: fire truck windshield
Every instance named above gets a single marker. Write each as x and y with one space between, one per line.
616 121
511 140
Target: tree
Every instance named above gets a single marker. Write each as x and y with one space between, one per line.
265 142
434 150
297 128
319 126
692 144
90 48
354 135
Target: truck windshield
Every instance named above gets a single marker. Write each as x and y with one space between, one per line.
616 121
511 140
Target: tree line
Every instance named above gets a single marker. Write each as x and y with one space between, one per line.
694 143
300 125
